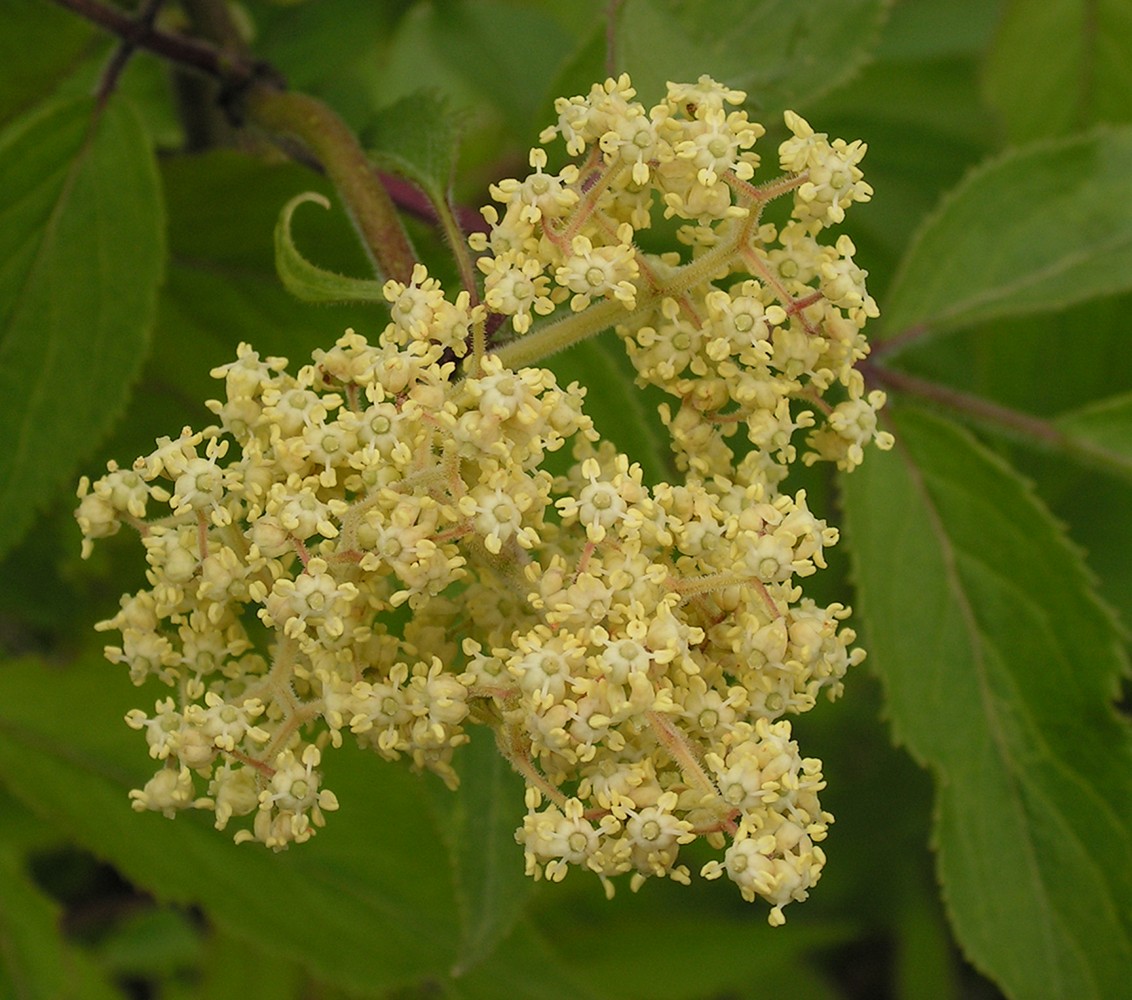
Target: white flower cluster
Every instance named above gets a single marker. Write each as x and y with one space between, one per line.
746 324
372 546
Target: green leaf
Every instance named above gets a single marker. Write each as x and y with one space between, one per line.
931 29
307 281
505 52
82 252
1000 667
1035 230
715 951
1106 425
1008 359
223 288
39 47
152 944
320 47
783 54
494 61
477 826
922 139
39 964
416 137
526 966
367 905
236 970
1085 75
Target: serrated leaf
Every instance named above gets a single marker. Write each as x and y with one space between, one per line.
1000 667
416 138
1037 229
222 288
1085 77
783 54
82 252
307 281
477 825
367 905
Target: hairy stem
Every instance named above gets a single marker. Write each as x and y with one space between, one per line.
288 113
563 333
676 743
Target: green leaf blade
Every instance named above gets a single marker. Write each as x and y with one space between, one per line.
308 282
39 48
1035 230
1102 431
366 906
82 235
783 54
1085 78
477 825
416 138
1000 668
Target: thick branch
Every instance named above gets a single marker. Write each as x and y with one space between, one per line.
180 49
255 90
121 56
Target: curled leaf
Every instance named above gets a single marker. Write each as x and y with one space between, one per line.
308 281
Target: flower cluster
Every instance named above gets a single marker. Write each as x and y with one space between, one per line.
373 548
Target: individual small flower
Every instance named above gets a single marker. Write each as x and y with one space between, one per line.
541 195
519 291
602 503
632 139
315 599
584 120
168 791
851 425
716 147
598 272
499 506
200 484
